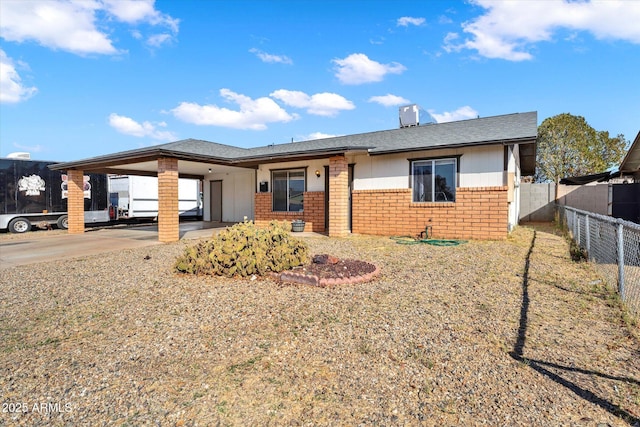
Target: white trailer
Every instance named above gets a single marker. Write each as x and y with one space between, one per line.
136 196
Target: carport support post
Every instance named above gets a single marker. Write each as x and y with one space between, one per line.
168 215
75 201
338 196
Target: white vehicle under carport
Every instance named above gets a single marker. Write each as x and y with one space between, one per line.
21 223
32 195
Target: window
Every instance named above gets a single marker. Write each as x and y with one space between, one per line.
288 190
434 180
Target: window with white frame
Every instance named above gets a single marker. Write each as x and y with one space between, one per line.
434 180
288 190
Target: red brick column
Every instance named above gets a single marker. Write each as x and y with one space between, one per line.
338 196
168 214
75 201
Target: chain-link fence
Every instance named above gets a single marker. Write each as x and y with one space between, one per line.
613 244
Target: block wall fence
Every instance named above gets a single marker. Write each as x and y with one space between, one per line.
478 213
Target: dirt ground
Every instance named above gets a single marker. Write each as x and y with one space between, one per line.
484 333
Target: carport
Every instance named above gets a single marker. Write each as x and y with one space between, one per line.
218 165
194 159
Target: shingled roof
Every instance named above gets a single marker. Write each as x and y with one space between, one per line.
504 129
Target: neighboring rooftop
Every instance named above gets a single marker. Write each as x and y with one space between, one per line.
631 162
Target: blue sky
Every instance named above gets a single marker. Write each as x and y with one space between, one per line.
90 77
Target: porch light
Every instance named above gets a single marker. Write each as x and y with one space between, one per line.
318 173
209 170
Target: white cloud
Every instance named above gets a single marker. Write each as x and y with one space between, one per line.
254 114
405 21
508 30
71 25
462 113
319 104
389 100
267 57
319 135
134 12
128 126
12 89
357 68
157 40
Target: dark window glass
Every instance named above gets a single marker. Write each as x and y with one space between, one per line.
288 190
279 186
434 180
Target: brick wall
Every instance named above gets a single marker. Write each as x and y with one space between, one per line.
313 214
75 201
168 214
478 213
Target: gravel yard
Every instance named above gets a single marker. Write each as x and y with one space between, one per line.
485 333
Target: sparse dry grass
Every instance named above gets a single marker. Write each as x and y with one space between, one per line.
432 341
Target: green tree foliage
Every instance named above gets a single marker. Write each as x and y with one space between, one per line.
568 146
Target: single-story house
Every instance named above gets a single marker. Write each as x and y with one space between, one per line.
461 178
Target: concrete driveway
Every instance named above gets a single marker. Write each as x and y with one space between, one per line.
41 246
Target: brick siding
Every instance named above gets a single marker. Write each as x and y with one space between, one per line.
478 213
75 201
338 196
168 214
313 214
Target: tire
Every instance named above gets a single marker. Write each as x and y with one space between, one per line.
19 225
63 222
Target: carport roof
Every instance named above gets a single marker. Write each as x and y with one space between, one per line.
504 129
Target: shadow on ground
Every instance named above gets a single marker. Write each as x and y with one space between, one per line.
544 367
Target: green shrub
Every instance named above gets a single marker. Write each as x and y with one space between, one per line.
244 250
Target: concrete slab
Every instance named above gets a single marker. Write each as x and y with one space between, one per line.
41 246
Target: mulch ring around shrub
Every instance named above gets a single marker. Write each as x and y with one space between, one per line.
326 270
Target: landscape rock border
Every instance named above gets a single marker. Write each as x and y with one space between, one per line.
313 280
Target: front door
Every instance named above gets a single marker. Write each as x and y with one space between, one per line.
216 201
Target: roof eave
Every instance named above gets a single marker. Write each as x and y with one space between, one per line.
296 155
524 140
631 161
137 157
